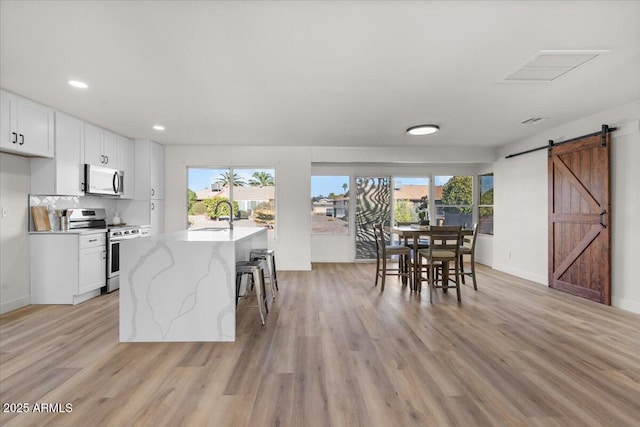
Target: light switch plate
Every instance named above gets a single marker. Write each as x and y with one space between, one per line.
5 212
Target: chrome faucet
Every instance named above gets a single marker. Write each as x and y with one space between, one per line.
215 211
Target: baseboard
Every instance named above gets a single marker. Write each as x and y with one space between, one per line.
543 280
626 304
15 304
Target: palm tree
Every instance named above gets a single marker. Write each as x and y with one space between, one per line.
261 179
226 178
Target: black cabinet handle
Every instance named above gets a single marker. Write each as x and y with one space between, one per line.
21 139
153 206
101 159
15 137
106 160
153 192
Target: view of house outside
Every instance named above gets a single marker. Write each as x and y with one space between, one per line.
252 193
330 204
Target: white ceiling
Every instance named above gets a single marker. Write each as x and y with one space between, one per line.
330 73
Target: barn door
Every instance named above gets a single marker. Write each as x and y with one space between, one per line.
579 214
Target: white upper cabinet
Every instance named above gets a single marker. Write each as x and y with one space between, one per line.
64 174
149 163
157 171
126 157
26 128
101 147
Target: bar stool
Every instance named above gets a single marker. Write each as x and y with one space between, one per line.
268 255
256 277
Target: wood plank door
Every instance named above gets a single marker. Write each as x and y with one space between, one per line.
579 212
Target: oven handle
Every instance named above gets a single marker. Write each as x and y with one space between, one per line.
119 238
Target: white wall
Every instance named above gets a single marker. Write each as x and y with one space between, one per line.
293 174
521 203
14 240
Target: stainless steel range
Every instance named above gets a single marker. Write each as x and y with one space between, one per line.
116 235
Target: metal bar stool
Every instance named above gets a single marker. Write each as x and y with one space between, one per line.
268 255
256 277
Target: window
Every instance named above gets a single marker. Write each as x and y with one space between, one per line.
407 196
454 200
250 191
330 204
485 204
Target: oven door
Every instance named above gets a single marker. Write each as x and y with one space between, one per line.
113 259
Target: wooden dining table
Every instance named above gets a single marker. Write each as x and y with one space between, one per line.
406 232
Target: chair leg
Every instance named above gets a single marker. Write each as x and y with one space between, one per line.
457 264
473 273
377 270
259 288
384 273
409 271
462 268
274 271
431 278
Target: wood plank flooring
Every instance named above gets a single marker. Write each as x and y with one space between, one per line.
338 352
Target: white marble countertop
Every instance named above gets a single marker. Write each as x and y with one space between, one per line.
209 235
73 231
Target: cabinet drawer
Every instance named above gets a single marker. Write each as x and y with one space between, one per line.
92 240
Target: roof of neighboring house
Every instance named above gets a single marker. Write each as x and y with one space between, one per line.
240 193
415 192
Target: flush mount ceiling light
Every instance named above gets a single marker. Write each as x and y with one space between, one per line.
158 127
423 129
78 84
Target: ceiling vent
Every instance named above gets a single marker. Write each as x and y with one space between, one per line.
548 65
532 120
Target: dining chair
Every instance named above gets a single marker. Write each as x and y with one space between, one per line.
468 247
383 251
444 248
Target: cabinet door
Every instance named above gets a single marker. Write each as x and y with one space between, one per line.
93 145
35 128
8 130
110 149
156 208
157 171
69 155
127 168
93 269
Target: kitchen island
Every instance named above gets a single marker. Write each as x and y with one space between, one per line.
180 286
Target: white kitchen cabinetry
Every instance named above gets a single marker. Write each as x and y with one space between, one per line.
26 128
127 168
64 174
67 268
149 161
156 212
93 262
101 147
148 206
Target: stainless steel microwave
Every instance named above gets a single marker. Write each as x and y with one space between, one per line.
101 180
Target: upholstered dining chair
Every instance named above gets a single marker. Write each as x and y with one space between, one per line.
468 247
444 248
384 251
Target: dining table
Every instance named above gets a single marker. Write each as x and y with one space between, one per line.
417 232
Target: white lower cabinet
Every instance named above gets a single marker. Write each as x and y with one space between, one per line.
67 268
156 214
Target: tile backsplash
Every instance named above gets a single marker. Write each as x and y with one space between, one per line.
70 202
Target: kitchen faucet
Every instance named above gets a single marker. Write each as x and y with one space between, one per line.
215 211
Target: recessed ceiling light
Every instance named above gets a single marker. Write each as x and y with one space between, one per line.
78 84
158 127
423 129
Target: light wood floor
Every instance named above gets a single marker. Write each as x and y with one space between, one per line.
337 352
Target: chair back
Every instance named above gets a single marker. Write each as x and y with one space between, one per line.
469 242
444 238
378 231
